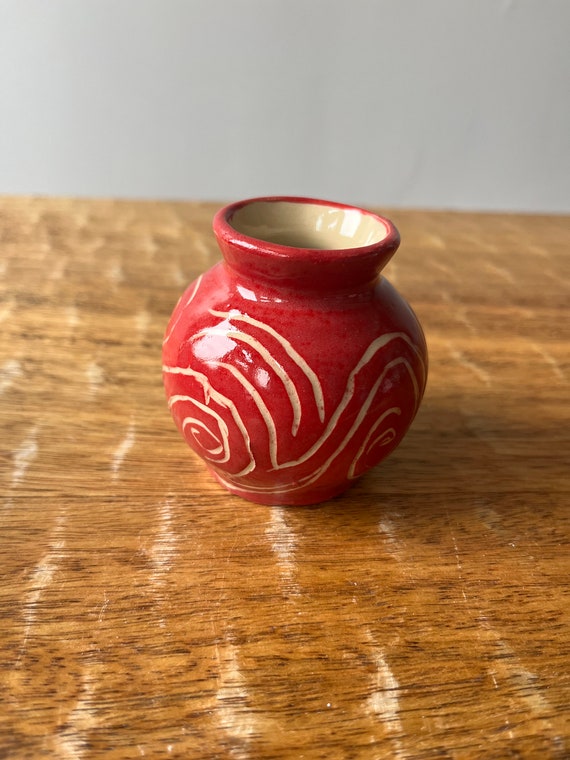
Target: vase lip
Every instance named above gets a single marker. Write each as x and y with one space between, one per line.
225 231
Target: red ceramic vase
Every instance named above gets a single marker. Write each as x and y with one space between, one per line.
292 366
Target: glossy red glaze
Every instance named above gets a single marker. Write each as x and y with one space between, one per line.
293 370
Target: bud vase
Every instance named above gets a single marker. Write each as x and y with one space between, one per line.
293 366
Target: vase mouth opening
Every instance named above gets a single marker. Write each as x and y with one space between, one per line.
307 224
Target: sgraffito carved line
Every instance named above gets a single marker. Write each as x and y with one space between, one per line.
209 392
223 444
289 350
349 393
332 425
261 405
193 422
367 445
271 361
188 302
379 343
356 424
222 448
316 474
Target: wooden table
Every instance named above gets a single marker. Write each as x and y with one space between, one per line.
146 613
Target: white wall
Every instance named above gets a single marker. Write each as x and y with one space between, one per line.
432 103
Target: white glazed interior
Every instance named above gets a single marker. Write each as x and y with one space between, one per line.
308 225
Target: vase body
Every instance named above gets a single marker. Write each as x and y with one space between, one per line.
293 366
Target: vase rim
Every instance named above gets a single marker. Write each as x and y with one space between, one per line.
380 236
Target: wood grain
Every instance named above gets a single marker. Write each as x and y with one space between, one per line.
146 613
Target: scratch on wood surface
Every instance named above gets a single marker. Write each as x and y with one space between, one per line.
103 608
284 545
142 322
232 710
387 527
444 269
550 360
461 317
95 377
10 372
163 549
459 312
490 519
554 274
6 309
57 271
480 430
501 272
462 360
538 250
433 241
178 276
72 741
383 700
200 246
123 449
507 672
456 552
41 577
459 565
71 317
115 273
150 246
479 243
525 313
24 455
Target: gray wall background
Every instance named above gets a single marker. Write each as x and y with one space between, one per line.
429 103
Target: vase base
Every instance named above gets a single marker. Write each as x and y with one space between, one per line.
300 498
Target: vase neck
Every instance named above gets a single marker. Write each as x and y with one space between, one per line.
304 245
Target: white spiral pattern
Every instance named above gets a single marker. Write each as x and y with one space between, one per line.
222 433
